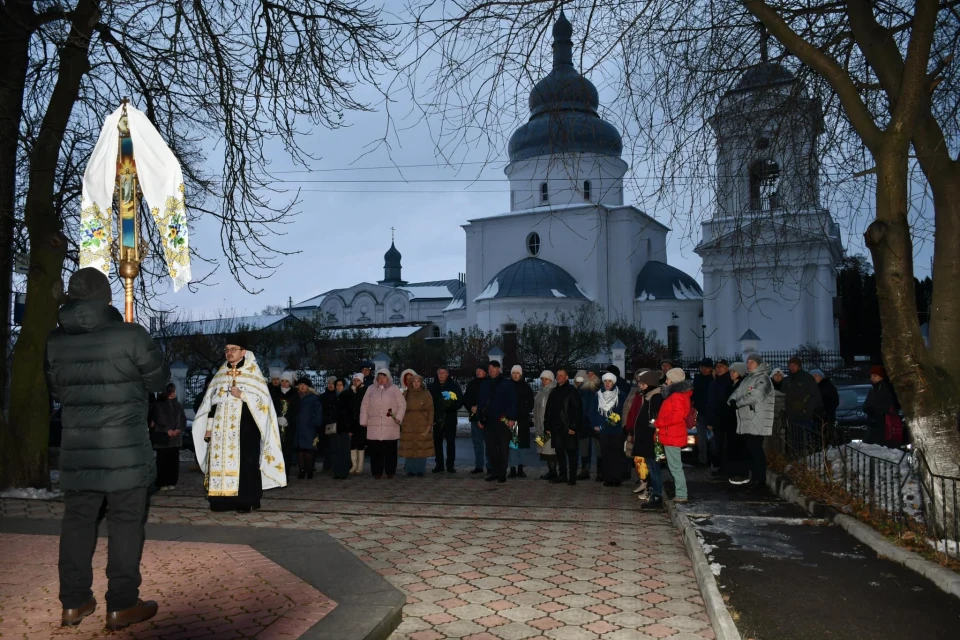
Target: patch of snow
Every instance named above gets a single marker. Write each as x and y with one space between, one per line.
456 304
490 292
945 546
682 292
30 494
432 292
582 292
642 297
557 294
840 554
715 568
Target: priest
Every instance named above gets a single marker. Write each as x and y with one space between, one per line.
235 433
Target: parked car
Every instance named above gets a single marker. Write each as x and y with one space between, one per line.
188 437
851 420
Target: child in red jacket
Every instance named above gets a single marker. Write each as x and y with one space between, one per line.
671 426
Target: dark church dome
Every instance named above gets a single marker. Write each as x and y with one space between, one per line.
563 110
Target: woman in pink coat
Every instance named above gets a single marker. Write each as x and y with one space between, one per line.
381 412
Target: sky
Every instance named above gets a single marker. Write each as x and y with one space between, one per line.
350 204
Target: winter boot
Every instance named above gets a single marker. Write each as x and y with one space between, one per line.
584 469
654 504
520 473
360 454
513 472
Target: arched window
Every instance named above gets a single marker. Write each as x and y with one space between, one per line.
764 185
533 244
586 190
436 332
544 193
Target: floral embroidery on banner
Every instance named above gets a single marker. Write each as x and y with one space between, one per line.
95 237
174 236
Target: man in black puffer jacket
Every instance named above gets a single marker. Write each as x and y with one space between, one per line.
101 370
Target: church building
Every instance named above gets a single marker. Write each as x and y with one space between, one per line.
568 239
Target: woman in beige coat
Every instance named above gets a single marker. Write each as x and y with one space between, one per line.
416 433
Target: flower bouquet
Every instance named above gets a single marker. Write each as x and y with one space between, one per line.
658 452
542 440
514 433
613 419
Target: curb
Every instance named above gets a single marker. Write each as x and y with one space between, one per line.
724 628
944 579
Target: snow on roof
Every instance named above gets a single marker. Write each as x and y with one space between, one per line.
490 292
433 292
315 301
380 333
219 326
557 294
644 296
456 304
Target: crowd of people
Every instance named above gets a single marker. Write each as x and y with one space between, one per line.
731 407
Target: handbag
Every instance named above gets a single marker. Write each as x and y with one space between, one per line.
331 429
893 427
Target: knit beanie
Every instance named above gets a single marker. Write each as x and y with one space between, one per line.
676 375
288 376
756 357
740 368
548 375
516 369
878 370
817 372
649 378
609 376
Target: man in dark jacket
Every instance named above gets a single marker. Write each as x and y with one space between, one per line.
447 400
367 370
721 418
101 370
563 418
829 396
471 398
802 401
701 392
497 406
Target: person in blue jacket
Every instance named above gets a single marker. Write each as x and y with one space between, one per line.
605 419
309 426
497 416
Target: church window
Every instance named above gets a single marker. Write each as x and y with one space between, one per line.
586 190
764 185
544 193
533 244
436 332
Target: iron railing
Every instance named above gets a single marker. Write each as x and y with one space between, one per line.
940 502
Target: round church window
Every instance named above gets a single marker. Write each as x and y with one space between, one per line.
533 244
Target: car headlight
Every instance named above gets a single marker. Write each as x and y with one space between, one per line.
691 440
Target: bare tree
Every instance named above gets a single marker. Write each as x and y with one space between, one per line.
246 74
882 76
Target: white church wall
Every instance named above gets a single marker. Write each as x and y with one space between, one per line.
493 314
657 315
564 176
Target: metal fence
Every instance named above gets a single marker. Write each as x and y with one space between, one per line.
830 362
899 486
941 506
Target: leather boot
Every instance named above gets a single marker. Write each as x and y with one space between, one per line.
72 617
137 613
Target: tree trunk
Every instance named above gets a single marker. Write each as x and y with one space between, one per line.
23 443
16 25
926 393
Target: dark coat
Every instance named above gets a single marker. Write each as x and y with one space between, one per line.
701 392
471 396
359 439
292 399
329 400
498 398
802 402
101 370
525 400
344 409
830 398
564 413
310 422
444 413
880 400
643 431
596 419
168 415
720 415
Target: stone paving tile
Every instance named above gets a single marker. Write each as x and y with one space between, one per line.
522 561
204 590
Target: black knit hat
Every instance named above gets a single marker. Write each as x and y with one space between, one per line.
304 380
614 369
89 284
239 339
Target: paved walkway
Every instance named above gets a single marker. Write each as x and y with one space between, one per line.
206 590
792 577
484 561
